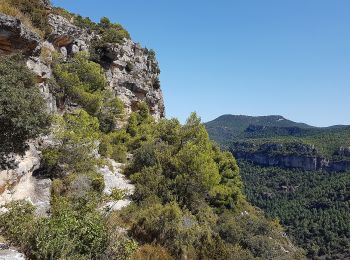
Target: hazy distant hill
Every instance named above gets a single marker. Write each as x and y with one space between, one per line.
239 126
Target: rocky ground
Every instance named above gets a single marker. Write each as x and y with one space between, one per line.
114 179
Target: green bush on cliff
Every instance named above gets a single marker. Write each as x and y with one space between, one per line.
110 33
187 161
111 111
77 136
188 196
18 97
84 82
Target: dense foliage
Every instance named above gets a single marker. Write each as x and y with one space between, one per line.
22 108
314 206
110 33
194 169
188 199
84 82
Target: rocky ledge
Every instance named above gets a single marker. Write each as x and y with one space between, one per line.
15 36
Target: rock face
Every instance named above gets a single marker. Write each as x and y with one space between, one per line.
15 36
67 35
343 151
307 163
20 184
63 32
133 74
11 254
132 71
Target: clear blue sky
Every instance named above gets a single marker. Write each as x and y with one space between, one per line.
252 57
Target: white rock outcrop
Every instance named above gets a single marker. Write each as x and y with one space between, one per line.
114 179
20 184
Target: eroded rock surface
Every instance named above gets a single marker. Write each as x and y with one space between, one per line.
134 76
20 184
304 162
14 36
11 254
63 32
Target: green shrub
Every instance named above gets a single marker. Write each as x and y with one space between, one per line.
110 34
114 145
22 108
18 224
85 23
97 182
118 194
110 112
155 252
63 12
76 136
119 153
82 81
69 233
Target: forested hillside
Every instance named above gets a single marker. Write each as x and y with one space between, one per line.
313 206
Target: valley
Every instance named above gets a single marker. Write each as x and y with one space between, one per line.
297 174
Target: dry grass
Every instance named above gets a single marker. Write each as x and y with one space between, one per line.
2 239
3 188
46 55
8 9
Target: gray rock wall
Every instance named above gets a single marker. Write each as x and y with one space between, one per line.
132 72
307 163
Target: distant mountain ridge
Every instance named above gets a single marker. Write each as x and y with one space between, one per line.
240 127
234 126
275 140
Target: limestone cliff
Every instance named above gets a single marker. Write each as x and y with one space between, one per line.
299 156
132 73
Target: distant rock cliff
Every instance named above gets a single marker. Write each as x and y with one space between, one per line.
304 157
